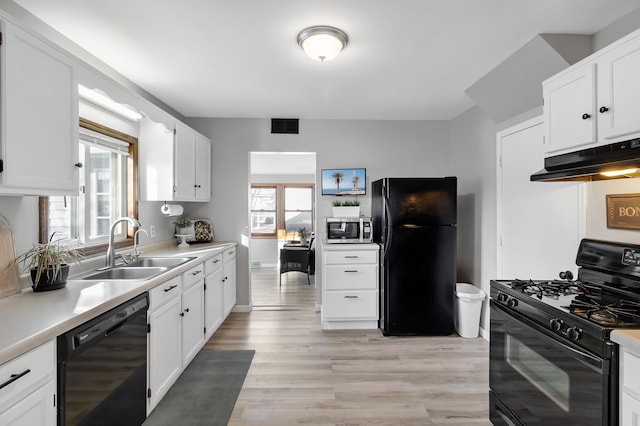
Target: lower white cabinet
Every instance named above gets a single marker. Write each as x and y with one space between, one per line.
28 395
349 286
213 295
192 317
165 335
229 280
629 388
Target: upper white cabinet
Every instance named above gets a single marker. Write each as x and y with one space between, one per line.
192 165
174 164
39 113
596 101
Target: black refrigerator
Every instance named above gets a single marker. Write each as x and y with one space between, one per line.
414 222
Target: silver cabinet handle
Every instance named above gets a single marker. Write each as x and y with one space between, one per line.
14 377
351 257
351 297
351 270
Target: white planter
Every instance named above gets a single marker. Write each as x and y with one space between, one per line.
346 211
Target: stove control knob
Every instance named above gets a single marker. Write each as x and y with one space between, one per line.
574 333
512 303
555 324
502 297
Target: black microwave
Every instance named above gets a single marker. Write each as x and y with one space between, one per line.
349 230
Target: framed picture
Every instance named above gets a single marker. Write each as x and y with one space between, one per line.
344 181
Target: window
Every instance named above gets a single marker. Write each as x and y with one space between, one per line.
279 210
106 190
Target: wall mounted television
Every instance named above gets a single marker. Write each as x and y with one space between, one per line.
344 181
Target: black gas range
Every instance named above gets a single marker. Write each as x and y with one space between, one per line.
552 360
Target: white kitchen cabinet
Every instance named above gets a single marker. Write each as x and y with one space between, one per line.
165 353
174 164
192 315
213 295
229 280
629 387
39 116
349 286
28 397
594 102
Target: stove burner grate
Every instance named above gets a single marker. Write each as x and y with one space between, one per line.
622 314
553 288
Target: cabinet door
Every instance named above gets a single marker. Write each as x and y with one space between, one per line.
213 302
630 411
184 173
619 93
569 110
165 356
36 409
39 117
203 168
192 322
155 161
229 292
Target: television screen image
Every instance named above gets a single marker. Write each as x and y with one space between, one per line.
344 181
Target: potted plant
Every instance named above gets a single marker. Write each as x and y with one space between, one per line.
49 264
348 208
184 226
303 235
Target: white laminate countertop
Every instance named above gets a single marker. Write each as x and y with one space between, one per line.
29 319
629 339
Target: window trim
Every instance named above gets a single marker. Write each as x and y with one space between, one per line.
280 211
132 191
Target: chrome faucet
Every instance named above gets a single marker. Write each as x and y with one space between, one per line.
136 239
111 257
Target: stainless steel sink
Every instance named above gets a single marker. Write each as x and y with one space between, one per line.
127 273
162 262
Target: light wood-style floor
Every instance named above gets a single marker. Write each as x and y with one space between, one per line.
303 375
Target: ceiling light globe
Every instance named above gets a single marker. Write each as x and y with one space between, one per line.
322 43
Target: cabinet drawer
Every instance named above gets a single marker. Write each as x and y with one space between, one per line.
192 276
350 305
212 264
351 277
343 257
31 370
166 291
631 370
229 254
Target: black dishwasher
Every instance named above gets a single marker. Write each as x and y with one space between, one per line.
102 368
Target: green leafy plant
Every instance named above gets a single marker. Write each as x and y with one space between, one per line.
303 232
48 258
347 203
183 222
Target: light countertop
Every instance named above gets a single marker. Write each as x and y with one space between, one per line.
29 319
629 339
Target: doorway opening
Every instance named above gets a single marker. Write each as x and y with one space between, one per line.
282 200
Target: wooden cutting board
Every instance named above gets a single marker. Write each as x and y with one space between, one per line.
9 271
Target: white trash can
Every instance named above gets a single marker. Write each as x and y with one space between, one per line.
468 306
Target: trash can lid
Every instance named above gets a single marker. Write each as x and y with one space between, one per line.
469 292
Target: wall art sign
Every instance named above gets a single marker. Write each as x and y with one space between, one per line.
623 211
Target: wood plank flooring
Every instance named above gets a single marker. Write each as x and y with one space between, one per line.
303 375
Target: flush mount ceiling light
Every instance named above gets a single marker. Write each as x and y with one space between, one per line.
322 43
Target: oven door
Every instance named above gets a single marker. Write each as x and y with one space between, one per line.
538 379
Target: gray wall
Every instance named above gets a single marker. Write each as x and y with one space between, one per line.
385 148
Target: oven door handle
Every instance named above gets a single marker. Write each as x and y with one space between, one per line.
592 361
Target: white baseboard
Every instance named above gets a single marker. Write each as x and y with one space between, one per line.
242 308
484 333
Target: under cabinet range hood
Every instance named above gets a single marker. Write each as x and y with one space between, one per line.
613 161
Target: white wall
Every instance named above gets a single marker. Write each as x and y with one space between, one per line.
385 148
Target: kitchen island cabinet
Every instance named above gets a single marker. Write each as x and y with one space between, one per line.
594 102
349 286
39 115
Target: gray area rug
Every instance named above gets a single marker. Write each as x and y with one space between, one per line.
206 392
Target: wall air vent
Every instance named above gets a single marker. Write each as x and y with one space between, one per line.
284 125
